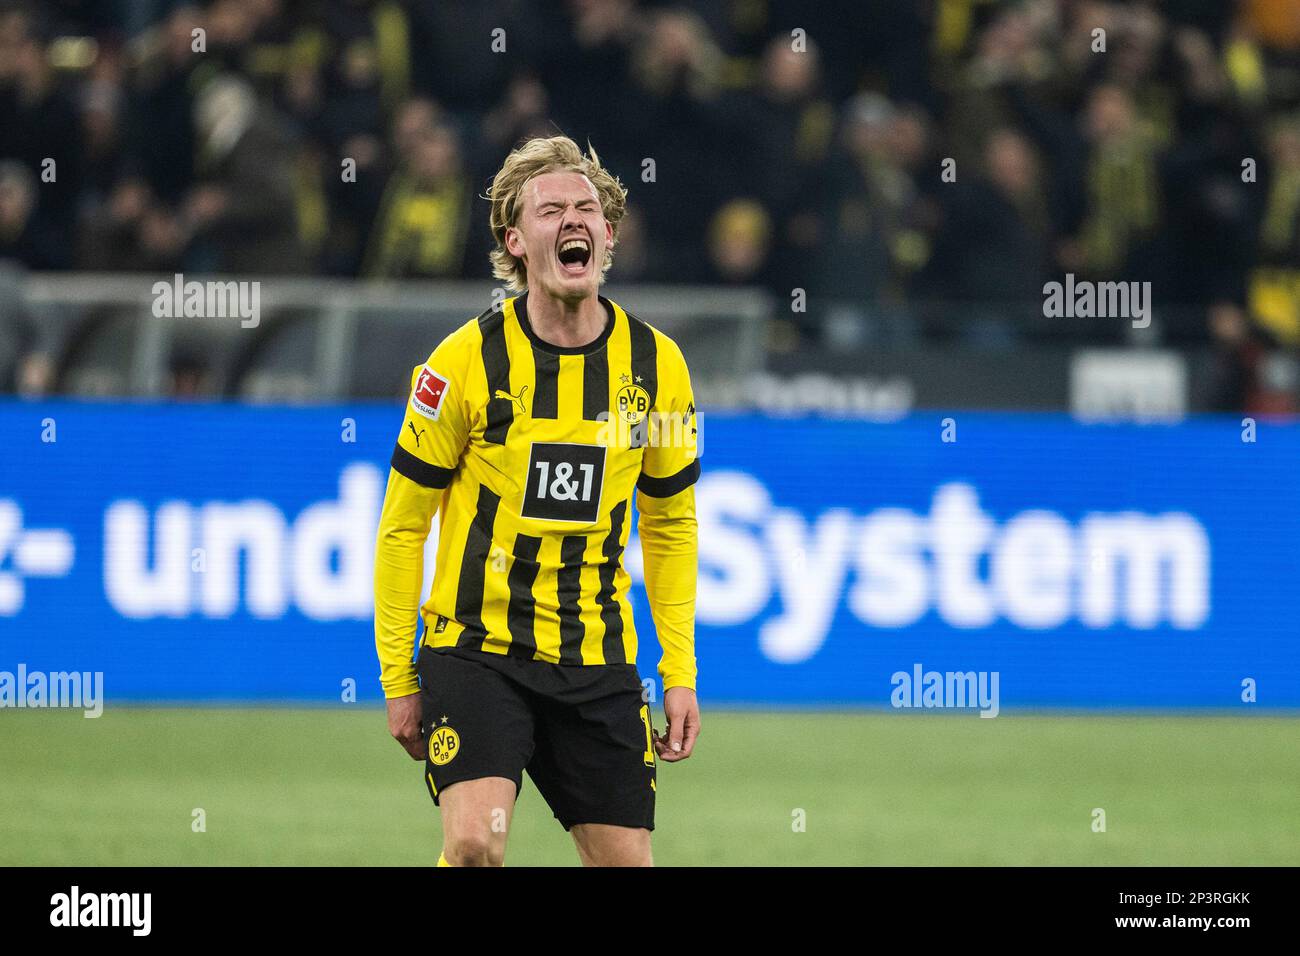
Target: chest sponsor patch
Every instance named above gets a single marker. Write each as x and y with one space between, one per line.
430 388
564 482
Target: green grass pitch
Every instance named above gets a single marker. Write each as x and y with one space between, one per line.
328 787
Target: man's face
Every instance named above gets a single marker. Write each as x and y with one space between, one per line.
561 235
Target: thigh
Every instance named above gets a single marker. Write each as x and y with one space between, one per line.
476 723
476 818
594 761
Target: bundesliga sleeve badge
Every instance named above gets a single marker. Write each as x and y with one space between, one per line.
430 387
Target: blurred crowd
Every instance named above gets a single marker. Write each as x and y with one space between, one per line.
901 162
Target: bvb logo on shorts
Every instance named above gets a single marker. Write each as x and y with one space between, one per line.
444 744
633 403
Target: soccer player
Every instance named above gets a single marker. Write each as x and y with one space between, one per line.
529 429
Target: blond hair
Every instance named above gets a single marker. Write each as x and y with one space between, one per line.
547 155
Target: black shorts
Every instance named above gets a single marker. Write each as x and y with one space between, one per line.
581 732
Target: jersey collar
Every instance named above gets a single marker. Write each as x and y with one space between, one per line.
595 345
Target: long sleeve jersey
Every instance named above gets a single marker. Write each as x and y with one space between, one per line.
530 454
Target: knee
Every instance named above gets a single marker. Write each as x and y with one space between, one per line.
612 846
624 857
473 849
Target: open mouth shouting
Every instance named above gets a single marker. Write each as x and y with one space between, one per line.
574 253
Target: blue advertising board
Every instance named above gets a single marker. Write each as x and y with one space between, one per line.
223 553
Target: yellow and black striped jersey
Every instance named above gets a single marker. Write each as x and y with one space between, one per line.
532 454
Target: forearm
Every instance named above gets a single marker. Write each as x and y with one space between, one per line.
669 549
399 572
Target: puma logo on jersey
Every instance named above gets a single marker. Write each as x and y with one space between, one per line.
517 399
411 426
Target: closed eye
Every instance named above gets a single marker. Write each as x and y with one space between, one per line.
586 205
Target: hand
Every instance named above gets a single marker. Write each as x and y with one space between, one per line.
404 724
683 713
205 204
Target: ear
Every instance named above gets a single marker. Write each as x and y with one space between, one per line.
514 242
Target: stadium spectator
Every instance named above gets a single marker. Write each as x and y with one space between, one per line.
1275 283
675 70
1280 229
421 227
1123 187
591 47
876 222
24 236
740 238
1210 213
453 69
1250 374
243 209
160 125
115 237
993 250
38 125
102 103
787 125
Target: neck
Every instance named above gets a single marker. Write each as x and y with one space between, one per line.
566 324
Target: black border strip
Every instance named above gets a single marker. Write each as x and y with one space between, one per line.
673 484
420 472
